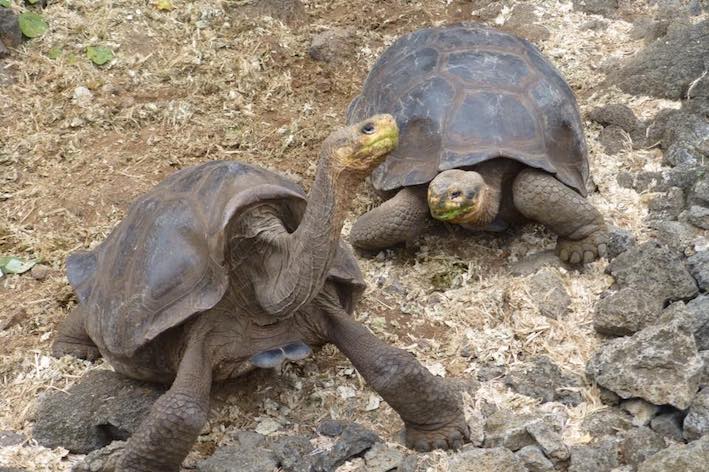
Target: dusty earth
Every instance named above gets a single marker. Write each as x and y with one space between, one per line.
210 80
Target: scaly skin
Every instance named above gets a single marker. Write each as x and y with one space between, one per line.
399 219
72 338
583 236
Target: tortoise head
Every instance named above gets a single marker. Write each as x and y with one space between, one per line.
361 147
457 196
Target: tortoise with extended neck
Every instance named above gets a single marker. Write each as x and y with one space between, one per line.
490 136
224 267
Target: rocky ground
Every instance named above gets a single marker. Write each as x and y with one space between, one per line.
598 369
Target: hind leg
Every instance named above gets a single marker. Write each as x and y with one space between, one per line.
400 219
72 338
583 236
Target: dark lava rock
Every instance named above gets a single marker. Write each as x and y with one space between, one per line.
293 453
615 140
601 456
659 364
667 205
381 458
10 438
698 216
333 45
103 459
669 425
596 7
615 114
699 268
639 444
509 431
606 422
684 133
534 459
10 34
102 407
239 458
692 457
649 30
625 312
523 22
668 66
677 235
496 459
331 428
696 423
354 440
548 440
698 309
656 269
700 192
619 241
544 380
551 297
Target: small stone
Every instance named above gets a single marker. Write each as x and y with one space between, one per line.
510 431
639 444
615 114
11 438
619 241
8 320
293 453
551 297
615 140
659 364
333 45
692 457
544 380
10 34
625 312
39 272
676 235
496 459
103 406
642 411
656 269
549 440
82 96
476 427
331 428
696 423
698 309
698 216
596 7
523 22
669 425
354 440
381 458
534 459
699 268
667 205
601 456
606 422
267 426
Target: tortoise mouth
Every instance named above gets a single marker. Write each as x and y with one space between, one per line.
379 144
454 213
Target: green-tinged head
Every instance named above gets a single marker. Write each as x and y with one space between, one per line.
363 146
456 196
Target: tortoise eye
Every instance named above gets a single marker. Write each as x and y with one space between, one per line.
456 194
368 128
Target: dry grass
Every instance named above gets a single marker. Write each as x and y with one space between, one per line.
203 82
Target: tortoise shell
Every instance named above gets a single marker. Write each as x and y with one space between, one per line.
167 260
465 94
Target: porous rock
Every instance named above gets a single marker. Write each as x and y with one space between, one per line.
669 425
625 312
523 22
381 458
534 459
596 7
354 440
551 297
698 216
544 380
656 269
667 205
677 235
601 456
696 423
503 429
103 406
700 192
496 459
239 458
10 438
659 364
332 45
548 440
692 457
293 453
639 444
619 241
605 422
668 66
616 114
10 34
698 309
704 379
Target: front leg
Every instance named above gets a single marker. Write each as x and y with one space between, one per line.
583 236
430 407
166 436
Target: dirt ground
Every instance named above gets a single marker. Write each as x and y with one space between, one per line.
215 80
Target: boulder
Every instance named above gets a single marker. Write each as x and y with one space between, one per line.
698 216
353 441
625 312
542 379
615 114
638 444
534 459
551 297
600 456
698 309
692 457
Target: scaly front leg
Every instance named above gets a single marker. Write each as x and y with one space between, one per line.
430 407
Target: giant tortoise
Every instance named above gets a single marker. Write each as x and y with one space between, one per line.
490 136
225 267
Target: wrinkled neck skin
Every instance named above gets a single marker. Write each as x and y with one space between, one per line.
489 204
311 249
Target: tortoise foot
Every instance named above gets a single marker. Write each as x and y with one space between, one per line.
68 346
451 435
583 250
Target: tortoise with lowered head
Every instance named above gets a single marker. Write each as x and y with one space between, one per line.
490 136
225 267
